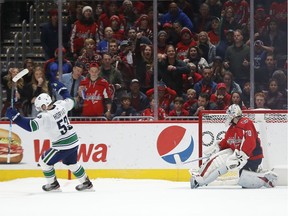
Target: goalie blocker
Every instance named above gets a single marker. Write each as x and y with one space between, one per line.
240 150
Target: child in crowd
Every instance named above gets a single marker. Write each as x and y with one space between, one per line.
150 111
125 109
178 108
191 99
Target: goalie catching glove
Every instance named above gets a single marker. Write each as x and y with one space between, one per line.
237 160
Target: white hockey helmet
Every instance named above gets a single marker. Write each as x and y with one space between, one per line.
232 112
42 99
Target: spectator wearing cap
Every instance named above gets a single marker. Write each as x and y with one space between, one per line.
130 12
117 27
95 94
214 33
139 100
89 55
261 19
186 41
51 66
162 41
142 25
171 70
166 96
221 98
176 14
144 65
72 82
105 18
83 28
173 31
123 61
49 35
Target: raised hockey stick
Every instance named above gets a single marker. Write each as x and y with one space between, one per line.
15 79
179 161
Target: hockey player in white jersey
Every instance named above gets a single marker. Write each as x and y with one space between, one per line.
53 119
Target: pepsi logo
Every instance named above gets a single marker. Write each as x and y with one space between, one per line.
175 140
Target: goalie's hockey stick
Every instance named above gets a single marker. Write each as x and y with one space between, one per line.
179 161
15 79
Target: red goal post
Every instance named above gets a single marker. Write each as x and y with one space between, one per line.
271 126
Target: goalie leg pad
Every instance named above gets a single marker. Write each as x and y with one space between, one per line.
214 162
211 169
249 179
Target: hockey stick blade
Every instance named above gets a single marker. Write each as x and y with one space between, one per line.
20 75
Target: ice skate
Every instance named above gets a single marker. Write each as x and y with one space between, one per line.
194 180
55 187
85 186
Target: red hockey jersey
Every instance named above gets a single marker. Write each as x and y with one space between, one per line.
95 95
243 136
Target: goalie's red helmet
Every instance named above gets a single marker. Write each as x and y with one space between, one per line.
233 111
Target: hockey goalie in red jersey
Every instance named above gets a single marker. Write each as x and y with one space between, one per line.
240 150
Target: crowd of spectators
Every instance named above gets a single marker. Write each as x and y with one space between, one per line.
203 58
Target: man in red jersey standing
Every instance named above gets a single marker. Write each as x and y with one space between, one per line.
239 150
95 93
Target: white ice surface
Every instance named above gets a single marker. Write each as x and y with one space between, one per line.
117 197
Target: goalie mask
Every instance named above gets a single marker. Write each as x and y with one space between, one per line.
42 99
232 112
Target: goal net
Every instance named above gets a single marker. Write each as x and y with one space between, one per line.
271 126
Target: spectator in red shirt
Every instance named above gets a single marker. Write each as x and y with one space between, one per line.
166 96
150 111
178 109
191 99
95 93
221 97
83 28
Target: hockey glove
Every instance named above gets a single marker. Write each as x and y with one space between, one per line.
12 113
60 88
237 160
